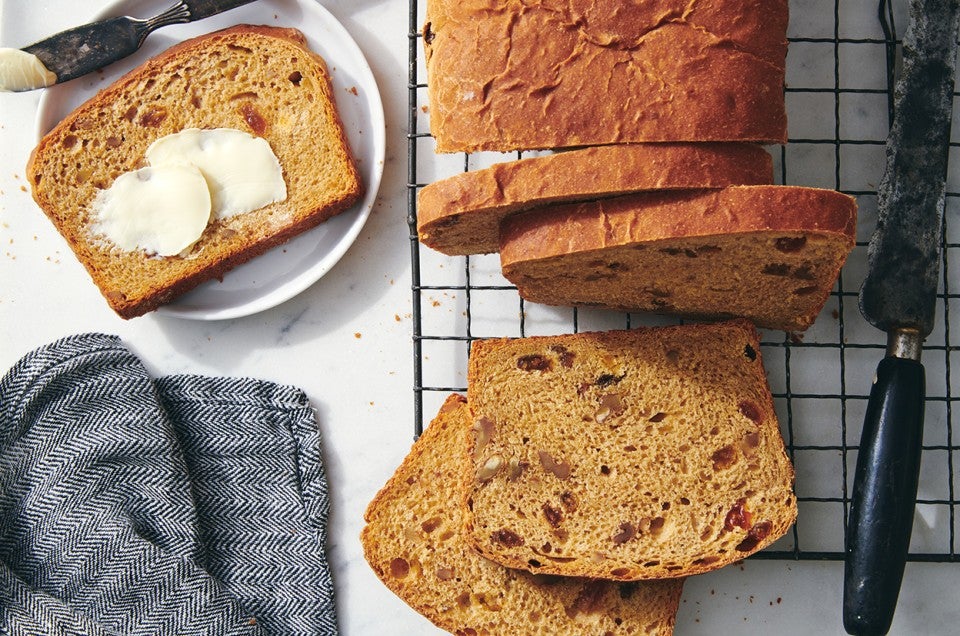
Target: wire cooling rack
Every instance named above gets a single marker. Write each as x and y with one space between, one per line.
840 66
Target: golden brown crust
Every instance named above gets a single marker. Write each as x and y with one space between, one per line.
769 253
648 453
248 77
462 214
551 75
413 542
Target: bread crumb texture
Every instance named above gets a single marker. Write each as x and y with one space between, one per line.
259 79
768 253
604 72
625 455
413 540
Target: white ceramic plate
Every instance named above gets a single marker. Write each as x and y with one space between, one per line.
287 270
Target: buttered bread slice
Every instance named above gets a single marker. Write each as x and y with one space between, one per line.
262 81
637 454
413 541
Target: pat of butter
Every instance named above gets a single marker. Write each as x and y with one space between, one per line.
242 171
22 71
161 210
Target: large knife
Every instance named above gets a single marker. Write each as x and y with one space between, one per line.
899 296
70 54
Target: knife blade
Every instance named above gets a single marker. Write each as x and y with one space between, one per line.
81 50
898 296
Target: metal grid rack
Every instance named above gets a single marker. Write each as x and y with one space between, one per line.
840 67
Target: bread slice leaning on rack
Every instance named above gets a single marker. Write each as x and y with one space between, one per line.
639 454
462 214
258 79
768 253
413 541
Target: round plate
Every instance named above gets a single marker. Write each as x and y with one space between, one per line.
287 270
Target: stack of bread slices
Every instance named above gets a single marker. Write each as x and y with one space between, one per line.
583 477
659 197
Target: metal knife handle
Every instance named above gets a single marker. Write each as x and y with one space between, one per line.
884 497
200 9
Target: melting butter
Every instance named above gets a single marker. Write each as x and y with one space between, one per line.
161 210
22 71
242 171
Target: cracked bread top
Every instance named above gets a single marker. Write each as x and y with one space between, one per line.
553 73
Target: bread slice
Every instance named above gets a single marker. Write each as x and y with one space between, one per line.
259 79
522 75
413 542
637 454
768 253
462 214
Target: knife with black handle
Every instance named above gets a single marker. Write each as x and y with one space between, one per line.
84 49
898 296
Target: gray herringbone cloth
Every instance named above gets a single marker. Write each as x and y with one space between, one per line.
131 506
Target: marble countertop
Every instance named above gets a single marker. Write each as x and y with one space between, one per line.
347 340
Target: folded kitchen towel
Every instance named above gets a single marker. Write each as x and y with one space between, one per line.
182 505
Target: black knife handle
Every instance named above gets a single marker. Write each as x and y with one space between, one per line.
884 497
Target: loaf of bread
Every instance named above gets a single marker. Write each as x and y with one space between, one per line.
637 454
462 214
258 79
524 74
413 541
768 253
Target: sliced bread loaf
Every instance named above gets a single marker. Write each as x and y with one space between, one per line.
462 214
258 79
769 253
521 75
638 454
413 541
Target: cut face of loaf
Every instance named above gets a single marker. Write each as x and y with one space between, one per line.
257 79
519 75
413 541
462 214
626 455
768 253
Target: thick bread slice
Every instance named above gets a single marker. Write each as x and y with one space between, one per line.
462 214
626 455
527 74
413 542
769 253
259 79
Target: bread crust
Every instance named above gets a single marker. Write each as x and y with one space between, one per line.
683 472
462 214
604 72
634 236
109 133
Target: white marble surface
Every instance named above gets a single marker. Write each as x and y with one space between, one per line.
347 339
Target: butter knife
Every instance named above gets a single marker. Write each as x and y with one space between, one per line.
899 296
81 50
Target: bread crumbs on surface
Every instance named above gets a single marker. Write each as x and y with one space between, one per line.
353 90
396 317
358 335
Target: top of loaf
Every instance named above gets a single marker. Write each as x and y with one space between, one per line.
522 75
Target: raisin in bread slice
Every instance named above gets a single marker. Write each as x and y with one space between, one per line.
628 455
258 79
768 253
462 214
413 542
522 75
